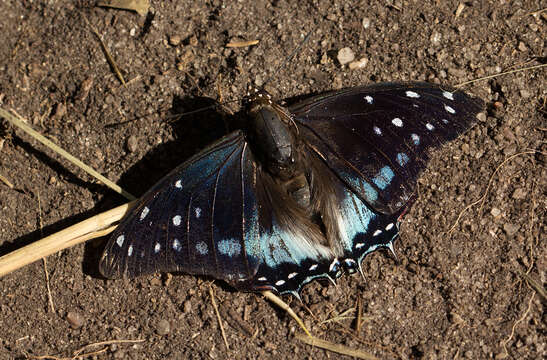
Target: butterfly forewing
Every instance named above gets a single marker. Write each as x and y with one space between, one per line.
377 139
191 220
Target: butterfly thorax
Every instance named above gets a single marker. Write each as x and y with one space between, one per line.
274 141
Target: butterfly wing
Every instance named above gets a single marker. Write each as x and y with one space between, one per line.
377 138
218 215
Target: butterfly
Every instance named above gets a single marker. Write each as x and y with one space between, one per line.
301 193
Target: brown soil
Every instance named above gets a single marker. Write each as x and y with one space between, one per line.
452 294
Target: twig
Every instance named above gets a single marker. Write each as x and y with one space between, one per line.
6 181
340 349
515 325
500 74
483 197
218 317
63 239
237 44
283 305
107 53
18 122
44 260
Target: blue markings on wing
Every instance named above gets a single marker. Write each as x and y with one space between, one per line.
229 247
384 177
355 217
369 191
402 159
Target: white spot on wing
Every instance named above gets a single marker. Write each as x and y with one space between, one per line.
198 212
359 245
176 220
178 184
415 139
120 240
377 130
291 275
176 245
313 267
144 212
429 127
397 122
448 95
412 94
369 99
377 232
157 248
444 121
202 248
449 109
262 278
280 282
130 250
389 226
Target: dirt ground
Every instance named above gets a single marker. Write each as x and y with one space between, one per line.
453 294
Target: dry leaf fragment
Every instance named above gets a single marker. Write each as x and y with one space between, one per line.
140 6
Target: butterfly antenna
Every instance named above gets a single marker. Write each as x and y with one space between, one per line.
290 57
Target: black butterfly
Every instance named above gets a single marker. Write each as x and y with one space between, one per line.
302 193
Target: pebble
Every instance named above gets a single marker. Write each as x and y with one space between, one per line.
132 143
495 212
510 229
60 111
520 194
163 327
366 23
525 93
345 55
75 319
435 38
174 40
481 116
187 306
358 64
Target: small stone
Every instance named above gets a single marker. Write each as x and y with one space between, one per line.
345 55
132 143
193 41
481 116
174 40
75 319
435 38
366 23
522 46
525 93
52 180
495 212
83 92
187 307
60 111
510 229
358 64
163 327
520 194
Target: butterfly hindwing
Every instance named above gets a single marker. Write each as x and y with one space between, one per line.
377 138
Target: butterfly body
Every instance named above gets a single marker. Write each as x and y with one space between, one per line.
304 193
